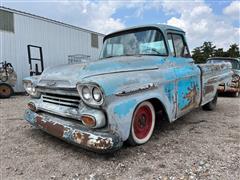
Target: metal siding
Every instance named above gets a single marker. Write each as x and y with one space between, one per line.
57 42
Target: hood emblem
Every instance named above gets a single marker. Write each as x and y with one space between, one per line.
51 83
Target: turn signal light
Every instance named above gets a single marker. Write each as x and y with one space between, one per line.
88 121
32 107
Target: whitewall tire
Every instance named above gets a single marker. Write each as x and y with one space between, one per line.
143 123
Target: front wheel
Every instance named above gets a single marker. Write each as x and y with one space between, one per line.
212 104
143 123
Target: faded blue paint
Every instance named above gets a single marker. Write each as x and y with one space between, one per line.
30 117
169 90
67 135
124 108
175 82
187 85
183 88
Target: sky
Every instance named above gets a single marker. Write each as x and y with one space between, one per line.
217 21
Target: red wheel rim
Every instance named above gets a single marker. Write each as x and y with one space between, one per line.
142 122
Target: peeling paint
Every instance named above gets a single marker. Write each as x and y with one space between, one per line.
78 135
123 109
55 128
191 97
92 141
176 82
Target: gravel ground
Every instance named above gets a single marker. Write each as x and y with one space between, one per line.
200 145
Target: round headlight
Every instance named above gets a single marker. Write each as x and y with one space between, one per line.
33 90
97 94
86 93
30 89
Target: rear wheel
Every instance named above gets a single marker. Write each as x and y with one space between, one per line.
236 94
5 91
211 105
143 123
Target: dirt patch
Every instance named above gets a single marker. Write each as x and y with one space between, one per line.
200 145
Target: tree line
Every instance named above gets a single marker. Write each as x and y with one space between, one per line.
208 49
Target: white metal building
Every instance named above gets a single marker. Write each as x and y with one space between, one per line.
24 36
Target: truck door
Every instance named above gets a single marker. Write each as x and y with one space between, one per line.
188 82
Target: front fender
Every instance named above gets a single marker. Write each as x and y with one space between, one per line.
120 110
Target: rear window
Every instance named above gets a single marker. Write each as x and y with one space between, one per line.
235 63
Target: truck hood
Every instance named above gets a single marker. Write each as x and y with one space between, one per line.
69 75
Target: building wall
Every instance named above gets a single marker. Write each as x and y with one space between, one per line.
57 42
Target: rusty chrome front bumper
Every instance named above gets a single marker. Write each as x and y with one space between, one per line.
73 132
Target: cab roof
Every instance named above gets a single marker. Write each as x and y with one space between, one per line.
162 27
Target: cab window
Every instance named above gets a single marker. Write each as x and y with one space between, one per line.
177 45
170 42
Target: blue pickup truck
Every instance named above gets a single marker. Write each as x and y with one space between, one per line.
142 71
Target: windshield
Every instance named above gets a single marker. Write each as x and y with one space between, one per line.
139 42
235 63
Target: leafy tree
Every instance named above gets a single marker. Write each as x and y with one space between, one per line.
200 54
208 49
220 53
233 51
197 55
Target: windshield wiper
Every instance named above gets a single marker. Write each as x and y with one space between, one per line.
155 50
108 57
122 55
152 49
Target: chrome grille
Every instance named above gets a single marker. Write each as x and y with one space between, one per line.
63 100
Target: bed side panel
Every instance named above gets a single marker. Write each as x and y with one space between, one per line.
212 76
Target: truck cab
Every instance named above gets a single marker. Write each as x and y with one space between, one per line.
142 72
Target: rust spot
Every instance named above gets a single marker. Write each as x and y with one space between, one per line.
81 138
100 143
87 140
51 127
208 89
191 96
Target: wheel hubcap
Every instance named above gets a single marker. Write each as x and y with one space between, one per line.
142 122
